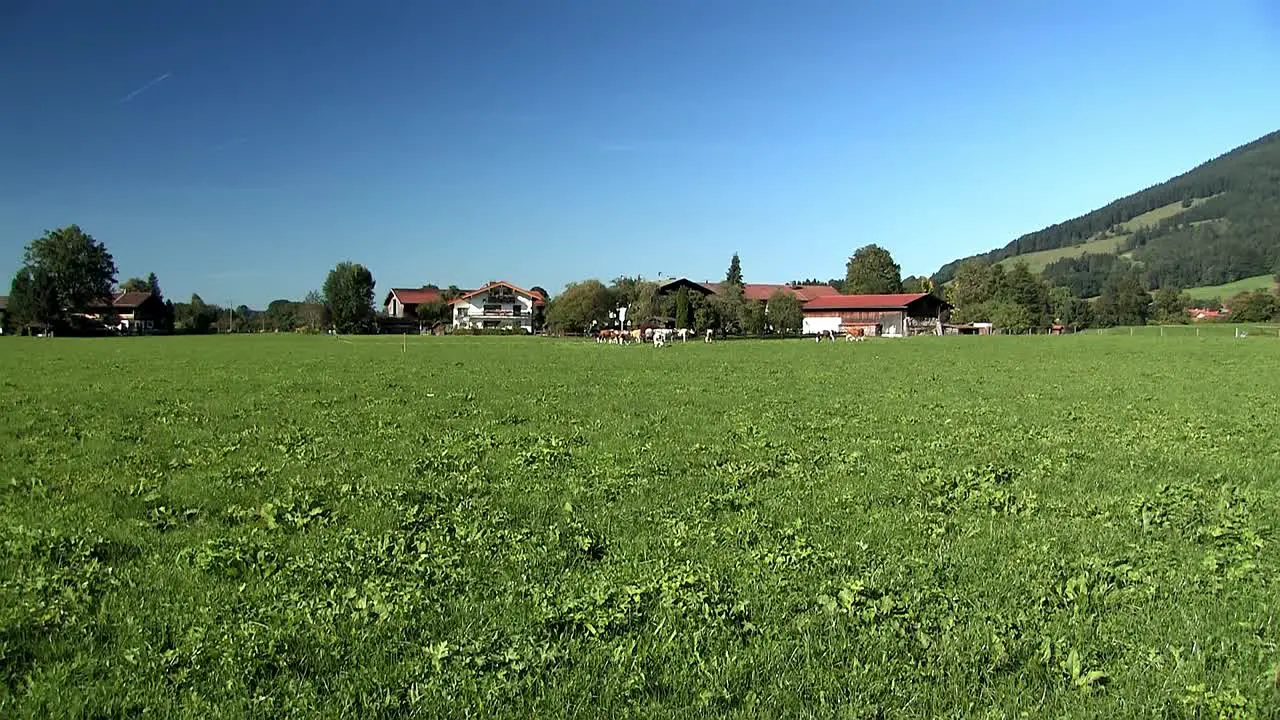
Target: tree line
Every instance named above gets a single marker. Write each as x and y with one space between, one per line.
67 274
1082 292
590 304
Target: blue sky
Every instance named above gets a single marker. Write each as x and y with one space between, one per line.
239 149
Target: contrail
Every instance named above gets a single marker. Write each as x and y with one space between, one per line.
144 88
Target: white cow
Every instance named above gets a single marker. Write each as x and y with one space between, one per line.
660 337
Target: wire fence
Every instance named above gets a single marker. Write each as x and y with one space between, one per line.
1206 330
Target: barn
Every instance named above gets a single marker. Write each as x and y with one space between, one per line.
895 315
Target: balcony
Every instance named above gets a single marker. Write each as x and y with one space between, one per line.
493 313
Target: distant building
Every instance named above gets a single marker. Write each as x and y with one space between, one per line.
896 315
129 312
498 305
404 302
1207 314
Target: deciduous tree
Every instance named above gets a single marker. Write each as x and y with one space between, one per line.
313 312
871 270
1170 306
348 297
753 318
78 267
582 306
784 312
1253 306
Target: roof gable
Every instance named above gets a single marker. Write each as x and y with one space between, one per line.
675 284
537 298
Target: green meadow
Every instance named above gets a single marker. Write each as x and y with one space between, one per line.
302 526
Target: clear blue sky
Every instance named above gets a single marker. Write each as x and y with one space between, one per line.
240 148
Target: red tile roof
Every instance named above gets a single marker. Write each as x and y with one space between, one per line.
763 291
863 302
416 296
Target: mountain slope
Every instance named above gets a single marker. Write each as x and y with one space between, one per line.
1216 223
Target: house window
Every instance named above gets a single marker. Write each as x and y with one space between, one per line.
492 309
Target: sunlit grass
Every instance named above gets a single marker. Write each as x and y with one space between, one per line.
1074 526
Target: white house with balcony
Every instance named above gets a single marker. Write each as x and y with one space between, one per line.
499 305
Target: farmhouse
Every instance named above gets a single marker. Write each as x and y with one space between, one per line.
1207 313
888 315
404 302
499 305
132 312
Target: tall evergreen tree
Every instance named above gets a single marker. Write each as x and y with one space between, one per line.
734 275
684 311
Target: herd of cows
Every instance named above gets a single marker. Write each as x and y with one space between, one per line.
661 336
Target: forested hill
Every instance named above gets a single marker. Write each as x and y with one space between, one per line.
1217 223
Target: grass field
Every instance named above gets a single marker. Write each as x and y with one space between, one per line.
1226 291
1037 261
233 527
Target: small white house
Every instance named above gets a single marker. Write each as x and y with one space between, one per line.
498 305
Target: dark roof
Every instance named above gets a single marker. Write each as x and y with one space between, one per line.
122 300
131 299
675 283
897 301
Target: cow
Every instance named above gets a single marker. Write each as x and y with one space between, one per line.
660 337
854 334
710 334
684 334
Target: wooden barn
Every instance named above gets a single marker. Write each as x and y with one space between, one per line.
897 315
